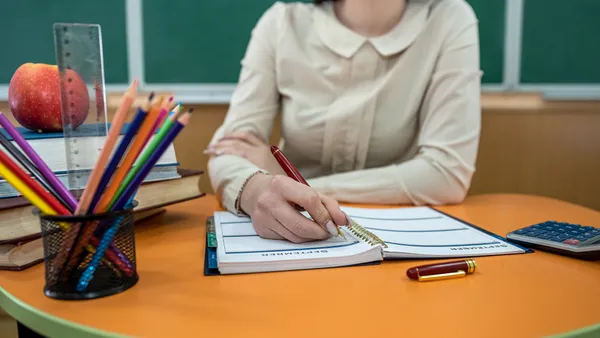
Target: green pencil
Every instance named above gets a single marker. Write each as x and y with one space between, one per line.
164 129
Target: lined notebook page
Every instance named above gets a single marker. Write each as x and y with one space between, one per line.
423 231
239 242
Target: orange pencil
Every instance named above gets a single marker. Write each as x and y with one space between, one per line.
109 144
74 234
164 111
130 157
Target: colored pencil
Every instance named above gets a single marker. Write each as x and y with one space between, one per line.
161 117
174 105
35 187
147 165
27 192
132 129
174 112
146 154
132 153
178 108
42 166
164 110
125 197
68 253
109 143
31 168
140 119
32 197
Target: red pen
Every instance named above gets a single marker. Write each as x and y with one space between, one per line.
292 172
438 271
287 166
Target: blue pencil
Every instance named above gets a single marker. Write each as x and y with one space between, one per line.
116 158
125 197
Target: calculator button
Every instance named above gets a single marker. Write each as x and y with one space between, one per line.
558 238
521 232
571 241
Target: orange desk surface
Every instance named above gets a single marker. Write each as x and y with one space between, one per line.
529 295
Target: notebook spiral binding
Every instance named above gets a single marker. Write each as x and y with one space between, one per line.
365 234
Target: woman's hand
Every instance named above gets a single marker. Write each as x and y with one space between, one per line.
269 202
248 146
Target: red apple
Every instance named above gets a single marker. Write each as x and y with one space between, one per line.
34 97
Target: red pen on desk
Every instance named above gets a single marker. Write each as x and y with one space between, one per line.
292 172
438 271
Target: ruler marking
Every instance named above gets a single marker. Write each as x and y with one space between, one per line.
79 49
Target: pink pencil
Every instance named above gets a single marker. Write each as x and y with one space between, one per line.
160 119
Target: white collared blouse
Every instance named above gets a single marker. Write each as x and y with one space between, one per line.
393 119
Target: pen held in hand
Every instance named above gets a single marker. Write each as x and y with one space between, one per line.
293 173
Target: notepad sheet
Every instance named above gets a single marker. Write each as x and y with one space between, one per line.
425 232
238 242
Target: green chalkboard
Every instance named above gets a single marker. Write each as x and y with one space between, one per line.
204 41
27 34
491 15
561 42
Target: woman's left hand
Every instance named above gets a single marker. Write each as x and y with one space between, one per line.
248 146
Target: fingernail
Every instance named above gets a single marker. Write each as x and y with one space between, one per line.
348 220
331 228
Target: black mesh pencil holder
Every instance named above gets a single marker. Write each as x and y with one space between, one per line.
89 256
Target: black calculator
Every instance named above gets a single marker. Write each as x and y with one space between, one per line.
573 240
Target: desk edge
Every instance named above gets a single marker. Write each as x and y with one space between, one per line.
591 331
44 323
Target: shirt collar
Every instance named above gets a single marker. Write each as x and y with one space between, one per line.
346 42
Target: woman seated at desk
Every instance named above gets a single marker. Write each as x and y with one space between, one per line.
379 103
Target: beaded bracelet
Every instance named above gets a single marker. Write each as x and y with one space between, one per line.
238 199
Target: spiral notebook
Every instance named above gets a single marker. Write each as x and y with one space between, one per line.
376 235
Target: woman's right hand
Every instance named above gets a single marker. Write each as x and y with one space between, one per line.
269 201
